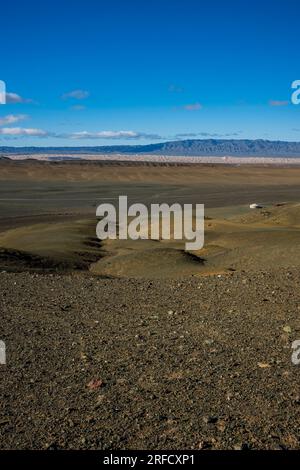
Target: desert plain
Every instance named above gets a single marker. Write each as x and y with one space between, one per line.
121 344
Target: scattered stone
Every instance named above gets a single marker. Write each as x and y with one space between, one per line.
241 446
263 365
210 419
209 341
287 329
94 384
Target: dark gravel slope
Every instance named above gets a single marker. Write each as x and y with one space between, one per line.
113 364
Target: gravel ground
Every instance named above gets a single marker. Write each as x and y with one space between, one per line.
202 363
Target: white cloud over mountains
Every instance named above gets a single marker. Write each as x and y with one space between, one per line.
15 132
21 132
111 135
18 131
34 132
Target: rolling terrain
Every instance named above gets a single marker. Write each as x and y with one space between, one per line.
48 217
140 344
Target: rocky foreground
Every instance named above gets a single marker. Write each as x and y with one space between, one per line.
203 363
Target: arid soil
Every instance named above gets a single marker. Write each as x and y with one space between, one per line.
122 364
139 344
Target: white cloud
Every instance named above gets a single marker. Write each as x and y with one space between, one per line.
12 119
21 131
187 135
104 135
76 94
112 135
12 98
33 132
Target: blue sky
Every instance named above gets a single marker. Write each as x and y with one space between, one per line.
99 72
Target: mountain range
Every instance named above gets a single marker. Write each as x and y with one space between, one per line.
192 147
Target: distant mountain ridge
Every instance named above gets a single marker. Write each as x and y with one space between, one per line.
192 147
